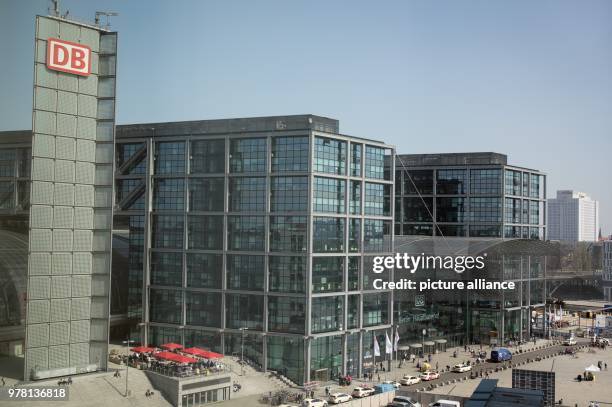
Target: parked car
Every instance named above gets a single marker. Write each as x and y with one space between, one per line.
408 380
500 355
393 383
314 403
427 376
600 341
403 401
571 341
461 367
337 398
362 391
445 403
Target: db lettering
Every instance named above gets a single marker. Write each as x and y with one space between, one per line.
68 57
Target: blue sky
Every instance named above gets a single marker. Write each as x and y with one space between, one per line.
531 79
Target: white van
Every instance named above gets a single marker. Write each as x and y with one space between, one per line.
445 403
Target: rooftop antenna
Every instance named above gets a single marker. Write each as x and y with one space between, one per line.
107 14
56 8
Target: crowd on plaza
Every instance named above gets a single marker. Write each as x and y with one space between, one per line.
174 360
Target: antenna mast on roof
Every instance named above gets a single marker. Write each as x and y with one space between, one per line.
56 8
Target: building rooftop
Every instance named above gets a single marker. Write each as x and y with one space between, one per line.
482 158
487 394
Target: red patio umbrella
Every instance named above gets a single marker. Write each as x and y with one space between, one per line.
143 349
174 357
195 351
212 355
171 346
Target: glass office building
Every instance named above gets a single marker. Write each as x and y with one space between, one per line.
258 231
468 194
470 204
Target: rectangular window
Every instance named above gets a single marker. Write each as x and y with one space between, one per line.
356 159
374 162
289 194
353 312
330 156
247 194
451 182
485 231
327 274
206 194
204 270
167 268
287 274
245 272
374 231
418 182
248 155
485 181
244 311
166 306
450 209
376 199
513 182
167 231
328 235
327 314
329 195
246 233
205 232
168 194
286 314
170 157
485 209
354 235
375 309
207 157
534 185
355 198
203 309
127 152
354 265
290 154
288 234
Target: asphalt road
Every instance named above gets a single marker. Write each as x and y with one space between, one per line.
517 359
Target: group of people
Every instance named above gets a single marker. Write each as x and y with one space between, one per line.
202 366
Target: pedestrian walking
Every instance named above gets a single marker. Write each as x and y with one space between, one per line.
605 367
4 383
379 377
437 366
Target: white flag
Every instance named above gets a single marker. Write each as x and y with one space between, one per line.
388 346
396 341
376 347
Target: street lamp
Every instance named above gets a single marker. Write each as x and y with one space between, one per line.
423 341
127 361
242 350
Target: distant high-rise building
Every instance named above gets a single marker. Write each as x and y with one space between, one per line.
573 216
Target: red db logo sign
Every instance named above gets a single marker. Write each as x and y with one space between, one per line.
68 57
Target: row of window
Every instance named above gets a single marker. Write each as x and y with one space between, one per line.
473 209
247 272
485 181
250 155
285 314
287 233
523 232
248 194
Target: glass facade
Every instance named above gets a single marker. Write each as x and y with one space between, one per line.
477 200
264 232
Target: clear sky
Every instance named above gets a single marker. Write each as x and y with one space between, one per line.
528 78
